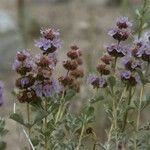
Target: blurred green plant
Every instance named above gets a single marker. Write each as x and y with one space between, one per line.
3 132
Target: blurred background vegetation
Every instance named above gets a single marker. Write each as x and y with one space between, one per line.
84 22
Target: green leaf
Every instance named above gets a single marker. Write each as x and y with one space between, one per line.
136 103
69 95
138 13
97 99
3 132
90 111
111 81
148 97
144 25
40 114
18 118
146 102
88 117
2 145
36 104
35 141
141 76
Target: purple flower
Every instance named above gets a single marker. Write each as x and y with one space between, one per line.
43 43
131 64
119 34
128 78
123 22
45 61
56 43
47 88
23 55
139 42
138 79
16 64
112 32
24 81
143 52
91 78
38 88
27 64
49 42
23 62
117 50
125 74
53 56
96 81
50 33
147 51
102 82
135 64
1 93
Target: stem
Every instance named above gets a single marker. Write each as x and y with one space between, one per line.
62 111
94 146
141 19
126 113
80 138
115 116
109 137
60 108
138 116
95 140
58 113
114 65
111 128
45 126
141 22
28 117
139 108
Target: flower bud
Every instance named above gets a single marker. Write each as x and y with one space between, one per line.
65 81
106 59
77 73
27 95
74 47
70 64
102 69
49 33
74 54
89 130
25 81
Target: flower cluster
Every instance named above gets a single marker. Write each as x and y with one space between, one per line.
49 42
120 33
129 57
45 84
1 93
36 78
129 77
99 81
140 54
123 30
23 65
74 69
141 49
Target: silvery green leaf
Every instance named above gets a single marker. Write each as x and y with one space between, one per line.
18 118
